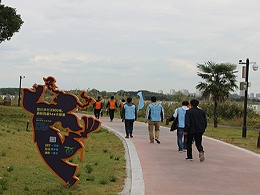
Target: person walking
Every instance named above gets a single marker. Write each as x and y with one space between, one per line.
129 115
121 105
98 105
179 113
111 106
154 117
195 126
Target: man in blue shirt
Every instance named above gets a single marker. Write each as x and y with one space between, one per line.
180 113
154 117
129 115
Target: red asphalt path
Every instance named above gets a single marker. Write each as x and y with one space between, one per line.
227 170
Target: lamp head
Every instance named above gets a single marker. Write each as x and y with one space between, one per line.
255 67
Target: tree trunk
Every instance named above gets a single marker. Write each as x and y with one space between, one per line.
215 113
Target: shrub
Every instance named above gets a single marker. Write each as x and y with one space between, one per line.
89 168
3 153
103 181
112 178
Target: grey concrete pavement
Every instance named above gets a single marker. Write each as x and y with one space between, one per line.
160 169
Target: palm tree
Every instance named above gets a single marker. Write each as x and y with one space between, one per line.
219 80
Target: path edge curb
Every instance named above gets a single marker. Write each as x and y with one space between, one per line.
134 182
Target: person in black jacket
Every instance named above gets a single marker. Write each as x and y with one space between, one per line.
195 125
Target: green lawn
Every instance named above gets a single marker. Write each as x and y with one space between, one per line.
234 136
22 170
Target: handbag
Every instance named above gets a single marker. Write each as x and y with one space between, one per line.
174 125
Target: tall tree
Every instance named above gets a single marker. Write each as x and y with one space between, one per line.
10 22
219 80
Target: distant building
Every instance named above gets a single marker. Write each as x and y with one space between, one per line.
257 96
252 96
242 93
160 91
192 94
185 92
172 92
198 93
7 97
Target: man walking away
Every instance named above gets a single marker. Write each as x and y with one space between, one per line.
111 106
121 105
195 125
98 105
180 113
154 116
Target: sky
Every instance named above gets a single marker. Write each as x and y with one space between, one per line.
130 45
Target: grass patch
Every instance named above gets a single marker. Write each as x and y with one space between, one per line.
234 136
22 170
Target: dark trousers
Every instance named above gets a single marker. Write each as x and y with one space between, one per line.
97 113
129 126
198 142
111 114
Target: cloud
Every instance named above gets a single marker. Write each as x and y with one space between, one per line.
129 45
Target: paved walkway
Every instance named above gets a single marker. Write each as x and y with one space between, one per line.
159 169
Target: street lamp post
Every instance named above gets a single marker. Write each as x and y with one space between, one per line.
245 75
244 128
20 87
